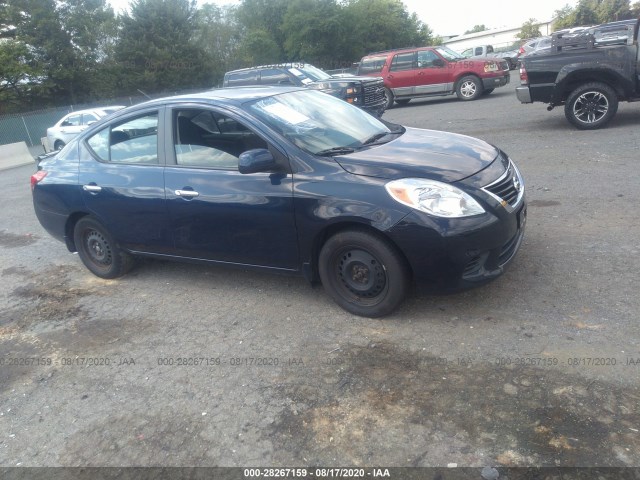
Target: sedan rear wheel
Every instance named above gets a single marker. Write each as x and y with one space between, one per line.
98 251
59 145
363 273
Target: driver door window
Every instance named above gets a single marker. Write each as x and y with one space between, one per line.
204 138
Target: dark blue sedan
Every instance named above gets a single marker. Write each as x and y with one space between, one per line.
287 180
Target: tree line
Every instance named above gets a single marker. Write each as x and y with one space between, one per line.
60 52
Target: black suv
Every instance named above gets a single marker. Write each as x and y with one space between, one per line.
364 92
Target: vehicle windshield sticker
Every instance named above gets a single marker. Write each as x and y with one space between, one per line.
286 113
303 78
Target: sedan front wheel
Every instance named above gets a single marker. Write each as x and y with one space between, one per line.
363 273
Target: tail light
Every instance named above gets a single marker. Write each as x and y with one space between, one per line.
37 178
521 51
524 76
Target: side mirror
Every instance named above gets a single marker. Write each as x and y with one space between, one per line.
257 160
438 62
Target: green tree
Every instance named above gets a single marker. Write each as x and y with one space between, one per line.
476 29
613 10
155 52
313 31
586 13
265 18
635 10
374 25
530 29
19 75
217 35
563 18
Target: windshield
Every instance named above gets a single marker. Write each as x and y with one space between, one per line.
309 71
449 54
318 123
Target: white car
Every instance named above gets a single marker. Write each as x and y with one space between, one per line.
75 122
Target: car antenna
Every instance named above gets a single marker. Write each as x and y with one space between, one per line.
144 94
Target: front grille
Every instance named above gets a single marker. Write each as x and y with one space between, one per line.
374 93
509 248
508 187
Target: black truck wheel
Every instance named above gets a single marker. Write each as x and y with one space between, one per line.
591 106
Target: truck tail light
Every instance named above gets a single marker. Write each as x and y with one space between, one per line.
524 76
37 177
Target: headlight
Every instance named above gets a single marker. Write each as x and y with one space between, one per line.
433 197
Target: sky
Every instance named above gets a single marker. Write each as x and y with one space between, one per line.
441 16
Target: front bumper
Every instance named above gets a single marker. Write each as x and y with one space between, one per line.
455 254
523 94
495 82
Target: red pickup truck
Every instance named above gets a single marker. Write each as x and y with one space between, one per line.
433 71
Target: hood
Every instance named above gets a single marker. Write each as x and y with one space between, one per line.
442 156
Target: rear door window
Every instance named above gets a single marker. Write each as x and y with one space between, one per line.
403 61
372 65
132 141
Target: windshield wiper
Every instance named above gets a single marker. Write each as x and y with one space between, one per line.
335 151
374 138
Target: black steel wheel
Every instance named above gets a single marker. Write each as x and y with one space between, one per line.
363 273
591 106
98 251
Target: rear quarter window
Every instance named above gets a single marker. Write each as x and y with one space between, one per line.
239 79
372 65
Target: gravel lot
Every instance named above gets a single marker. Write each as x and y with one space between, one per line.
540 367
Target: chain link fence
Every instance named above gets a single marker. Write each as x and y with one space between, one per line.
30 127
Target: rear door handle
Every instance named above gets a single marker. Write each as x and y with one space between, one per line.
92 188
186 193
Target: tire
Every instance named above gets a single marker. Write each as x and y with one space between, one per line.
98 251
363 273
59 145
591 106
403 101
388 96
469 88
487 91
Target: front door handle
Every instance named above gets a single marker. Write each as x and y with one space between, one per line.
92 188
186 193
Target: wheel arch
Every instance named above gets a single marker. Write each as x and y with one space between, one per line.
69 228
311 270
575 79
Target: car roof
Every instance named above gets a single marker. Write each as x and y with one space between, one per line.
92 110
274 66
230 95
399 50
